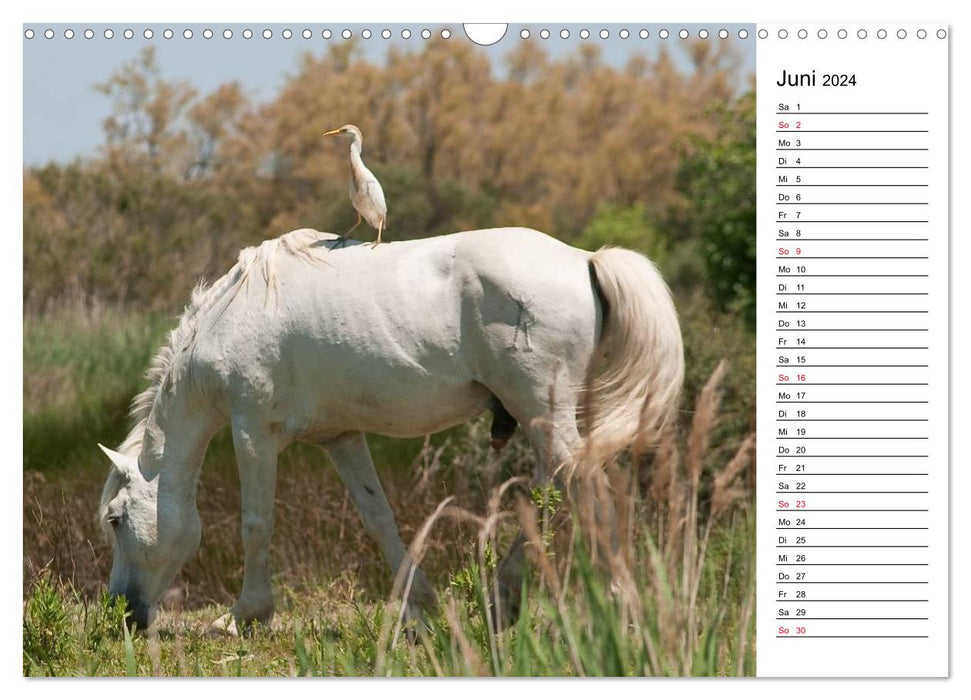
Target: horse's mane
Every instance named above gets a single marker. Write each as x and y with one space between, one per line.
204 297
180 340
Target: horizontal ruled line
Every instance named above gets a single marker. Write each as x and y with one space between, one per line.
852 221
800 239
801 474
787 493
799 618
853 185
847 330
851 583
851 131
852 600
852 311
851 636
847 510
852 294
845 564
785 114
851 401
803 148
803 365
851 347
852 167
852 528
867 402
853 437
852 275
850 204
850 420
851 384
851 546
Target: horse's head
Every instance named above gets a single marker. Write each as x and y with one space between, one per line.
152 532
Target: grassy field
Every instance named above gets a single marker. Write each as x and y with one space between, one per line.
678 598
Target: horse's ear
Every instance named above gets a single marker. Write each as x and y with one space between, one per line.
123 463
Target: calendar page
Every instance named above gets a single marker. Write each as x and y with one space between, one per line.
397 348
853 318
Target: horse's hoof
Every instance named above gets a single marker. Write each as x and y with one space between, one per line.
413 631
413 625
225 626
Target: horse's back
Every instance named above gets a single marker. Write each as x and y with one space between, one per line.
368 334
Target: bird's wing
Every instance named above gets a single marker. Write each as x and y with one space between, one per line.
374 192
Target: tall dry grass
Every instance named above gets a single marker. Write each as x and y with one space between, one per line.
626 581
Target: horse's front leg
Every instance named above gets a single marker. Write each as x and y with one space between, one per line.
256 455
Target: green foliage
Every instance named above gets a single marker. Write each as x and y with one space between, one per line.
466 583
547 498
624 227
65 633
131 663
711 335
45 629
103 620
81 369
717 178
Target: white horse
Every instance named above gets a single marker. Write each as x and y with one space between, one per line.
303 341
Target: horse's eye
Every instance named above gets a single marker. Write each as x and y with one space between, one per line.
114 520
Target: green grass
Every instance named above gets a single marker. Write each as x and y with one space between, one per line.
81 370
334 629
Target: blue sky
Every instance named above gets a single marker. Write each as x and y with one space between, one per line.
63 113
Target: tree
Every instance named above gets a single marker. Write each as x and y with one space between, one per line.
717 180
572 146
625 227
143 125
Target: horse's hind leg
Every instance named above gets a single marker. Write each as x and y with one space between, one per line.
555 439
352 460
556 443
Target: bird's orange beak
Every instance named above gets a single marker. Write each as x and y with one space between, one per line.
332 132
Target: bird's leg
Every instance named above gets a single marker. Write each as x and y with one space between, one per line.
380 226
341 241
351 229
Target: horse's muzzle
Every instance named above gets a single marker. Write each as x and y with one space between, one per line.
139 614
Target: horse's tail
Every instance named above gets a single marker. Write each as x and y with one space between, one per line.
635 379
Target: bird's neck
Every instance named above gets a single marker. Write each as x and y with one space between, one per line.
357 164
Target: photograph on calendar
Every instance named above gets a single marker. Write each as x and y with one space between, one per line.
387 350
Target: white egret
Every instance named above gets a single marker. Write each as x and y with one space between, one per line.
366 193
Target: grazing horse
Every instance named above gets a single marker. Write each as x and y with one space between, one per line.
304 341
